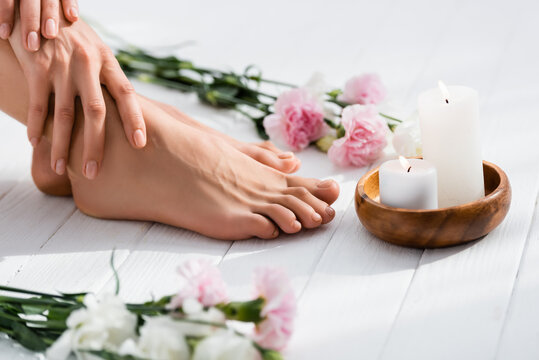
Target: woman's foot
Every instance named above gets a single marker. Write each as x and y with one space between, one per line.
265 152
188 178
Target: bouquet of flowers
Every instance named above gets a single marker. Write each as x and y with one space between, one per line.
196 323
344 123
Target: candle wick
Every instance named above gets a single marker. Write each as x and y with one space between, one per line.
446 101
410 168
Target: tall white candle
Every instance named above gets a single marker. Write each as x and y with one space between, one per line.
408 184
449 121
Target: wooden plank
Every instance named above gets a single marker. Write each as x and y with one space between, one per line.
28 219
77 257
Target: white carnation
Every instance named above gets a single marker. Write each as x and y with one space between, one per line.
225 345
407 137
104 323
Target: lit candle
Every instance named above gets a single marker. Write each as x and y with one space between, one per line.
408 184
450 134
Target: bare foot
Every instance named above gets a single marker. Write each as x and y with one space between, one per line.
45 179
188 178
265 152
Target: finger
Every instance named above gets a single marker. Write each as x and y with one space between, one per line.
94 123
71 10
64 111
49 18
126 99
39 92
7 11
30 15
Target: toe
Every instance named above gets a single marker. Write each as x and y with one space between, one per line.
320 207
285 162
260 226
283 217
308 217
326 190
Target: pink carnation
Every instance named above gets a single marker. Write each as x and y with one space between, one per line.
363 89
200 280
298 119
279 308
365 137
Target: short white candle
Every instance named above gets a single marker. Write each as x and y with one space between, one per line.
408 184
450 134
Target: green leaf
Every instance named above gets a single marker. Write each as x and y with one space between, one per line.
246 311
27 337
271 355
34 309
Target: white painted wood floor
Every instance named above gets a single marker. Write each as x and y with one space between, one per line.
359 298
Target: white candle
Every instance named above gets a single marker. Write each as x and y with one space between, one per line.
408 184
450 134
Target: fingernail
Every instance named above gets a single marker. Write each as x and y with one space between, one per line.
91 169
73 12
139 139
33 41
316 217
326 183
34 141
50 28
330 211
60 166
4 31
286 155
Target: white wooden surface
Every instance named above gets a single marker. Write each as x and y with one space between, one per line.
358 297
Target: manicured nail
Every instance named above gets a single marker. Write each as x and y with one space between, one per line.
316 217
91 169
330 211
5 29
50 28
33 41
139 139
286 155
60 166
325 184
34 141
73 12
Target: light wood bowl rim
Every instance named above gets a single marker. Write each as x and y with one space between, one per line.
500 189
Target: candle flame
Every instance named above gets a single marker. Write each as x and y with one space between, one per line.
444 90
405 163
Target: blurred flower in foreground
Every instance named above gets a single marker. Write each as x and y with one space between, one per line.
407 137
363 89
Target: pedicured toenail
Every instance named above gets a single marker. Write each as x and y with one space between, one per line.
326 183
330 211
316 217
296 225
286 155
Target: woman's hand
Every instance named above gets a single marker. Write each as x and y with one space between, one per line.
36 16
76 63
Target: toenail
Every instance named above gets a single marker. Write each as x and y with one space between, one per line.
326 183
296 225
330 211
60 166
316 217
275 233
286 155
91 169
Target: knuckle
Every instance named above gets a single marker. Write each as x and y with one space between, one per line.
64 115
126 89
301 191
96 107
31 20
83 55
36 109
50 7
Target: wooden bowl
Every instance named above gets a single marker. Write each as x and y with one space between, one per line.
434 228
